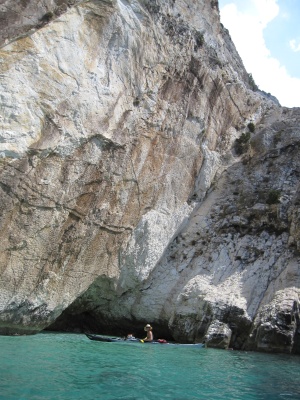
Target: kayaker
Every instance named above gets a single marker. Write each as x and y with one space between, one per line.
149 337
130 337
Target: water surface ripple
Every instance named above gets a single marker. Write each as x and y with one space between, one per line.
71 367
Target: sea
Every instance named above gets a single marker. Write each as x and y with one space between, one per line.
71 367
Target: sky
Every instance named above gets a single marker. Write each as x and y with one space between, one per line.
266 34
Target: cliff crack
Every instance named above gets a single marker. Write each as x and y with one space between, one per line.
237 107
113 229
137 183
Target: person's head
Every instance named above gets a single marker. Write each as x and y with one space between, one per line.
147 328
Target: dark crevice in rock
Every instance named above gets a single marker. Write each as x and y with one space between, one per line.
91 322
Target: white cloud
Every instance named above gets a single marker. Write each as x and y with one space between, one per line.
294 45
265 10
246 29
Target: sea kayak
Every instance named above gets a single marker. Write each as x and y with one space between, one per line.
101 338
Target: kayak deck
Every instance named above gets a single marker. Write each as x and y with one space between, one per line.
100 338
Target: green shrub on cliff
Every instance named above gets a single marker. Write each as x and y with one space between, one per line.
252 83
273 197
242 143
251 127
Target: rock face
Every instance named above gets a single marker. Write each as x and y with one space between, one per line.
142 179
21 18
218 335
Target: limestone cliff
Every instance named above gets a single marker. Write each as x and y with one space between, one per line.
142 178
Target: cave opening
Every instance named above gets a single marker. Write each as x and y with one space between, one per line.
88 322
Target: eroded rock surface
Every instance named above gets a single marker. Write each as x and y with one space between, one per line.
142 179
218 335
20 18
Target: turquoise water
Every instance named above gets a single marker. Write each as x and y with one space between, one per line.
71 367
